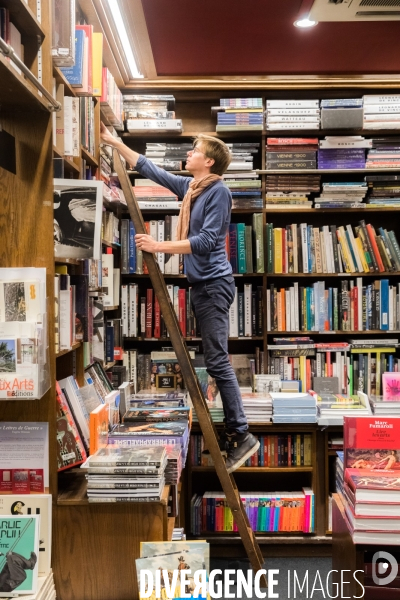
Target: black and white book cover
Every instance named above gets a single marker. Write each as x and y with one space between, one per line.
78 206
119 456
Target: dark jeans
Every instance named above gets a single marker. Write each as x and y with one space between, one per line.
211 300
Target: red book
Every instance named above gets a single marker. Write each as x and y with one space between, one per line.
355 307
228 252
372 485
372 443
375 249
149 313
182 310
292 141
328 365
70 449
157 318
284 240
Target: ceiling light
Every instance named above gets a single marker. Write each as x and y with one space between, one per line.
304 23
123 36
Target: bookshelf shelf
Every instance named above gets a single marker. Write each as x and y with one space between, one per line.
23 18
258 470
90 159
60 78
375 274
69 165
153 339
226 538
73 347
362 211
167 276
338 331
191 134
110 307
319 171
16 92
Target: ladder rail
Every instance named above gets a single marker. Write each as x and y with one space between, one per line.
207 426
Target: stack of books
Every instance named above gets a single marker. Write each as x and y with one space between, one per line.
342 113
331 249
367 480
292 114
385 153
332 408
239 114
291 192
340 158
150 113
245 189
170 157
151 196
266 511
381 407
178 534
161 433
342 194
243 154
131 474
294 407
257 406
382 112
384 190
291 153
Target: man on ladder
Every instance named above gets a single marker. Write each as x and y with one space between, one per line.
202 227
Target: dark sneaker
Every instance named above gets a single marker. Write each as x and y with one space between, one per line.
240 447
222 442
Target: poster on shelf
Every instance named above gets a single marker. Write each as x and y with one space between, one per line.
78 206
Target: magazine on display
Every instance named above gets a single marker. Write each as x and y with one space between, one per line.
19 554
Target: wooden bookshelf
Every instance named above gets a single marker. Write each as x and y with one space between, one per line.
16 92
24 19
60 78
72 349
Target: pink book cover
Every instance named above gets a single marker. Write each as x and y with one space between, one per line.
391 387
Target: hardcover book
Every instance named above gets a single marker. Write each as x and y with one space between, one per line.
115 456
19 554
372 443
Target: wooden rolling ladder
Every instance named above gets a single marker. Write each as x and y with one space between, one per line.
196 394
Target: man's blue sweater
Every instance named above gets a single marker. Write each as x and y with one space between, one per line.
209 221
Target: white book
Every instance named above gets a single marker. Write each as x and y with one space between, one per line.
154 124
295 119
345 143
65 319
68 141
170 290
107 269
247 309
323 251
381 108
76 142
176 300
175 257
161 205
133 309
133 368
381 117
296 301
269 309
295 255
327 243
234 317
292 104
339 248
126 364
391 307
124 310
385 99
316 305
284 235
384 125
160 238
296 125
304 246
293 111
287 310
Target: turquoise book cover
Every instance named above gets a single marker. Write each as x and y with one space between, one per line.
19 550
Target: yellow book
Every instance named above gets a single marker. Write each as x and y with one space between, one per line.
61 269
307 449
278 250
361 254
298 448
303 372
345 251
97 63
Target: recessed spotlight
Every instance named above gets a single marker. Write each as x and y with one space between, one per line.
304 23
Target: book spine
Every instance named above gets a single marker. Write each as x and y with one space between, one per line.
149 313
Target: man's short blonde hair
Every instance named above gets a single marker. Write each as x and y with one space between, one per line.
217 150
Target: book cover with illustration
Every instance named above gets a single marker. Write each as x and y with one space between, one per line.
391 387
372 443
366 479
19 554
38 504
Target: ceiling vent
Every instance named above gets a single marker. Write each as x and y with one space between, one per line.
355 10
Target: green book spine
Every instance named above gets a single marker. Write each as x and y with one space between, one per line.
270 247
249 249
258 241
241 229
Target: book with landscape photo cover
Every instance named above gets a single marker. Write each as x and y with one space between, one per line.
372 443
141 456
156 414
